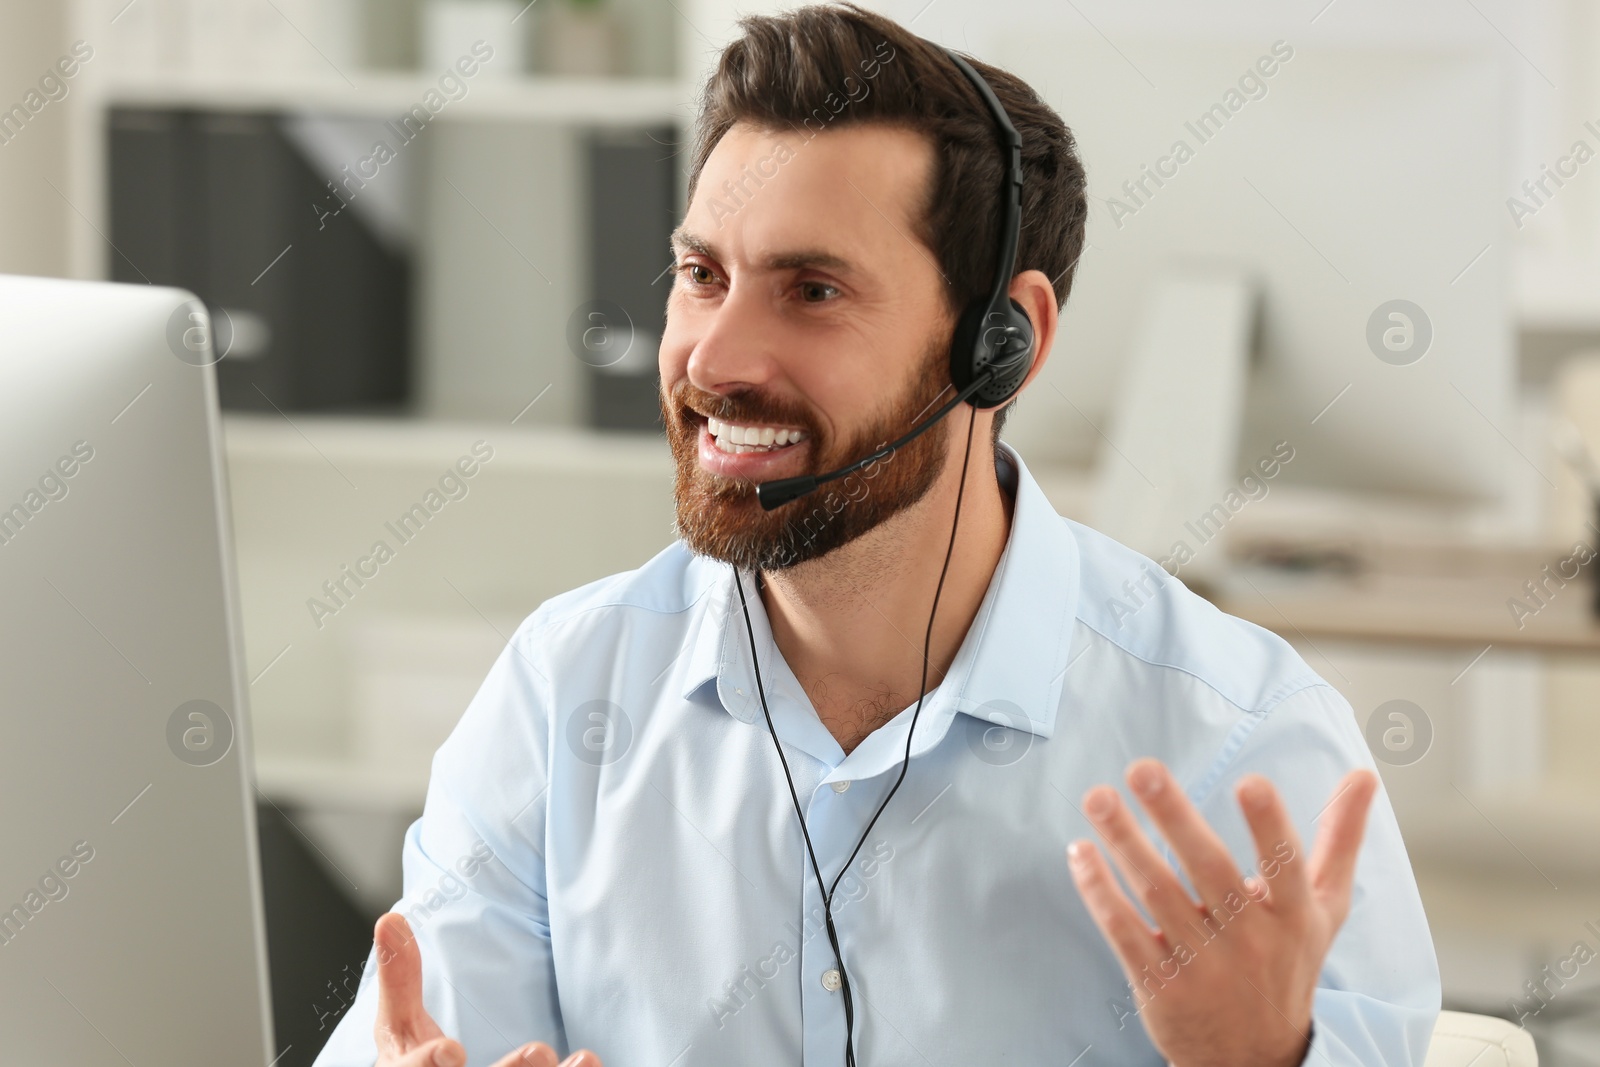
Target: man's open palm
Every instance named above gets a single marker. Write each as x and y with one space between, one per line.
406 1034
1226 981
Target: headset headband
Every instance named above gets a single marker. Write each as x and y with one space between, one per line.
1011 198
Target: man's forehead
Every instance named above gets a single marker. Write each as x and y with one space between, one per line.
747 136
871 151
798 200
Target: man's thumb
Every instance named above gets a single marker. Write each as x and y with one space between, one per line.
400 1011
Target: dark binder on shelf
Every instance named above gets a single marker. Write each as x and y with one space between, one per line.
310 306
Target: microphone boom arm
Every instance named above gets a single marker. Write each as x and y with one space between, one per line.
781 491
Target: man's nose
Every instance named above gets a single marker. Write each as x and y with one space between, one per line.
737 350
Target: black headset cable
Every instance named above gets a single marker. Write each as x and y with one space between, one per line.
905 763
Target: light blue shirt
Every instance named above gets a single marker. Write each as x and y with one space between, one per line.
609 857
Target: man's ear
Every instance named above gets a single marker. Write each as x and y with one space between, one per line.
1032 289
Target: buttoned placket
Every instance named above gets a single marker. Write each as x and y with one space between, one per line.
847 792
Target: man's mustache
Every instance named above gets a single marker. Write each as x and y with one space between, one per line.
741 409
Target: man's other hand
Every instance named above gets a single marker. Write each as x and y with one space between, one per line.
1226 981
406 1034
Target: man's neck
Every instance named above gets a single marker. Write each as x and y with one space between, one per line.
851 625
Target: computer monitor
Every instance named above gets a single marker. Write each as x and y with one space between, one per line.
130 910
1339 180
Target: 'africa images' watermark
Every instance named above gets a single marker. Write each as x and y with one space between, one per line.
740 990
1204 528
1542 589
1553 978
1399 332
1399 733
53 484
407 128
421 906
1211 927
1252 85
52 88
199 732
341 589
599 732
1537 192
53 887
1209 523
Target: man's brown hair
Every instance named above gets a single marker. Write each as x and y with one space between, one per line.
831 65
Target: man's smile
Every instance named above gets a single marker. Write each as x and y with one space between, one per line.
752 451
737 438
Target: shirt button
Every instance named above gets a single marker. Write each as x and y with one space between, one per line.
840 787
830 979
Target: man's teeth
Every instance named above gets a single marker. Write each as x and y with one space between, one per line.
734 438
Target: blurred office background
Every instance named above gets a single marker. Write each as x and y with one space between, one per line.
1335 363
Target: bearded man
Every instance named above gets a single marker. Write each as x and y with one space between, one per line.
822 782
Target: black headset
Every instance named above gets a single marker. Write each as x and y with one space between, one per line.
992 348
995 336
991 353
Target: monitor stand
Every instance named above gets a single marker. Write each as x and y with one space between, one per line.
1166 481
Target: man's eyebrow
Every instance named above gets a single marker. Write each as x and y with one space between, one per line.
801 259
683 240
809 258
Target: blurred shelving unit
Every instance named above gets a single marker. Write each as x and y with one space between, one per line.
674 43
523 131
501 194
577 101
348 708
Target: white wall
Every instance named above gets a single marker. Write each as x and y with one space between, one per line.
503 267
32 215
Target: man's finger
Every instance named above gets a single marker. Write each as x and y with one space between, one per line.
1344 822
1124 928
402 1022
1152 882
1282 867
536 1054
1204 857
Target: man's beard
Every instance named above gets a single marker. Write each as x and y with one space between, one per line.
720 517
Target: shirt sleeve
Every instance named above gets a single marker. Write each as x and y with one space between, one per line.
1378 996
474 881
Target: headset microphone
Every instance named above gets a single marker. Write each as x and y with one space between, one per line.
782 490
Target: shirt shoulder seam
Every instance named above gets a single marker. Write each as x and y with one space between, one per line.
1240 734
536 623
1241 731
1285 689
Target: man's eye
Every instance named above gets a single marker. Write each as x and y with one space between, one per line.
816 292
699 274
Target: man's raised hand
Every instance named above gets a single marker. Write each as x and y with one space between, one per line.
1226 981
406 1034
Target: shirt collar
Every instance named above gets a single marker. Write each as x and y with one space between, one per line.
1011 665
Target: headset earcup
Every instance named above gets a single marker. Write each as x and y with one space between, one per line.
1017 358
964 355
970 351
